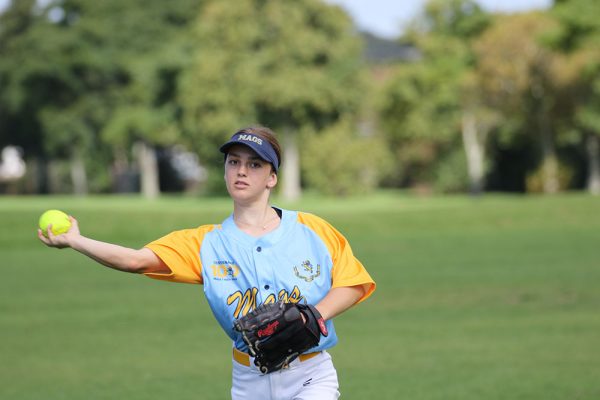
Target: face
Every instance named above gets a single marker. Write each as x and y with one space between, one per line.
247 176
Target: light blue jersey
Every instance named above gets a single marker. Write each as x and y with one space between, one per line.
300 261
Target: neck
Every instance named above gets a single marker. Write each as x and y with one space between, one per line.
255 220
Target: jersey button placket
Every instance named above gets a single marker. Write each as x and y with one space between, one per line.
263 269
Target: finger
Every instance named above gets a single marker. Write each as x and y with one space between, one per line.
50 234
43 238
74 224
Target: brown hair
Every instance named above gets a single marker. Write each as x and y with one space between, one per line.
266 134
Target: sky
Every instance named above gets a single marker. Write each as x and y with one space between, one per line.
385 18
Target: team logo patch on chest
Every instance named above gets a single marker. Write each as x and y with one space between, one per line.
225 271
307 271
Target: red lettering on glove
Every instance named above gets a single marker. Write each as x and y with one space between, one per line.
322 326
268 330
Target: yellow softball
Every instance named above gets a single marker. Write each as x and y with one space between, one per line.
59 220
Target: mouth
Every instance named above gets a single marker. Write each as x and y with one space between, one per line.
240 184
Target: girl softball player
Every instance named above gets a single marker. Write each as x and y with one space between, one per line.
259 254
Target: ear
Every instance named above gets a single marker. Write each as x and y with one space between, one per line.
272 182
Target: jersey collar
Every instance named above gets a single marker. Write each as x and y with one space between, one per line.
288 219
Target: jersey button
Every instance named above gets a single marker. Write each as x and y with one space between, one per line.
267 287
259 249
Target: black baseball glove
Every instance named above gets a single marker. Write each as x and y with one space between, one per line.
276 333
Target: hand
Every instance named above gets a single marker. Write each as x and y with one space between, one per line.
63 240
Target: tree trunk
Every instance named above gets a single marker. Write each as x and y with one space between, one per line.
291 189
78 174
549 159
41 176
593 154
121 175
474 150
148 165
549 167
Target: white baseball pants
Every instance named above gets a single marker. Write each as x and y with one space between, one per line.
312 379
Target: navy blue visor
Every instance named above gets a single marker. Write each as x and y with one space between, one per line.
261 146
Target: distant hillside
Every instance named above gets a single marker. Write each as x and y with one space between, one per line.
381 51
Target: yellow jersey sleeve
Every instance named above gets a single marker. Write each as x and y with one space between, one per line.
180 251
347 270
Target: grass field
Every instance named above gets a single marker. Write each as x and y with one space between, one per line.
491 298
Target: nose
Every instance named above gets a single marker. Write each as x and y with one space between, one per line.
242 169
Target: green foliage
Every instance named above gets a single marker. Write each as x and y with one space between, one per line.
88 78
282 64
522 79
588 117
72 68
578 23
340 163
133 122
17 107
451 18
415 94
579 39
514 68
450 173
411 98
535 180
421 106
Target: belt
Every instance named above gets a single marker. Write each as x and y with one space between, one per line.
244 358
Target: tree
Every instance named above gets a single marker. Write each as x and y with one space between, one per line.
579 40
427 104
291 65
419 113
18 126
460 22
85 72
340 163
517 74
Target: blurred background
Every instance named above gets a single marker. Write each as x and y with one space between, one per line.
455 96
396 116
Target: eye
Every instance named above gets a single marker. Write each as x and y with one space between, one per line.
232 162
255 164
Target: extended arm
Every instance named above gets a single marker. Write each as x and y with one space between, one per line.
111 255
